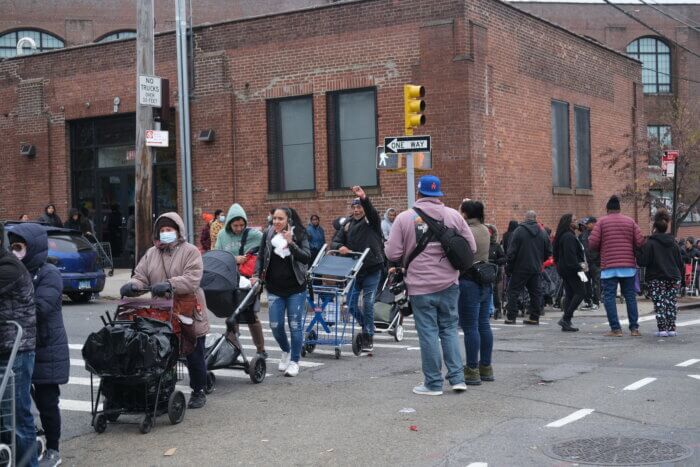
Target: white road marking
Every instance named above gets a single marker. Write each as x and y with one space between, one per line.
695 376
641 383
690 362
76 406
641 319
86 382
478 464
269 331
688 323
578 415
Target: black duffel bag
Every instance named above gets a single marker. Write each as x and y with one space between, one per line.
483 273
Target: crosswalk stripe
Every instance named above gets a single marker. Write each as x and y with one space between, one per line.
690 362
688 323
641 319
76 406
269 331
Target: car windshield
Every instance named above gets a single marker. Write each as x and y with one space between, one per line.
68 243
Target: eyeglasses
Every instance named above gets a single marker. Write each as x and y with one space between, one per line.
17 246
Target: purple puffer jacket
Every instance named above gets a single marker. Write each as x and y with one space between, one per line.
616 237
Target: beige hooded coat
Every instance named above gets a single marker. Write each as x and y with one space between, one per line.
181 265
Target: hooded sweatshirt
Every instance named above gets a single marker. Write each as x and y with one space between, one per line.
386 224
430 271
528 248
52 361
228 241
662 258
180 264
81 224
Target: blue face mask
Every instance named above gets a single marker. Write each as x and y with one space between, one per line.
222 219
168 237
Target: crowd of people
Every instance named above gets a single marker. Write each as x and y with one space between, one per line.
457 273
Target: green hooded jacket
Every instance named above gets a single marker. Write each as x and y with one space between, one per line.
228 241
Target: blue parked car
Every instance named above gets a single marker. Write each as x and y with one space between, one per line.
73 254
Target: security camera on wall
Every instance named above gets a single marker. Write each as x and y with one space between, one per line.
26 149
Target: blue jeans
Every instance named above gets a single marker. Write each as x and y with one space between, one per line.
609 287
367 284
25 429
436 320
294 305
474 303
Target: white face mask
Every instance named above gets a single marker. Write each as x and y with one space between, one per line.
21 253
168 237
222 218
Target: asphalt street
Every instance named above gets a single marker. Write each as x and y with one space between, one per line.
550 387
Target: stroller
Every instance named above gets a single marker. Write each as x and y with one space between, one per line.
135 356
392 306
330 280
221 286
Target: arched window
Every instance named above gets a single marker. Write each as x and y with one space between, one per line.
44 41
115 36
656 63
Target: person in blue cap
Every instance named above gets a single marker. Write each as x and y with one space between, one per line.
432 285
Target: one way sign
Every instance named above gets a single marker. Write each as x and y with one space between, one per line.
401 144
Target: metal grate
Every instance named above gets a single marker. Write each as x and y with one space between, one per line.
618 451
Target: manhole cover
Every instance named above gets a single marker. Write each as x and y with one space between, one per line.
614 450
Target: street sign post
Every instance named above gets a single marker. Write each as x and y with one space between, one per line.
404 144
150 91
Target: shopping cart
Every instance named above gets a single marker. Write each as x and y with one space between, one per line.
330 279
692 288
7 400
104 256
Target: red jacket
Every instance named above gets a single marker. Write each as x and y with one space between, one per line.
616 237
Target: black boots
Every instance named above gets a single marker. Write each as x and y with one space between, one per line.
566 325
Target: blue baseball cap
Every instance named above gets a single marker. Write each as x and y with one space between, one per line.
429 185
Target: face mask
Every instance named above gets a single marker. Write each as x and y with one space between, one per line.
269 218
168 237
222 218
20 253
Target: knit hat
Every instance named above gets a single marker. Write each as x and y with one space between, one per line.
613 203
206 217
166 222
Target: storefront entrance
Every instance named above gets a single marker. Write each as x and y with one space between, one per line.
103 179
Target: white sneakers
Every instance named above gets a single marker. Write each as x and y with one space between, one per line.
292 369
459 387
284 361
423 391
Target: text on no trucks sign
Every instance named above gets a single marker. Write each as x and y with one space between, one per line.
156 138
399 144
149 91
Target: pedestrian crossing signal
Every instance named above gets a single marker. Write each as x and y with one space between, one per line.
413 106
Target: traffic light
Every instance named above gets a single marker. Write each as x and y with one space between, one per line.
413 107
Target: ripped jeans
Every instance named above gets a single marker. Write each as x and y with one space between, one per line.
294 305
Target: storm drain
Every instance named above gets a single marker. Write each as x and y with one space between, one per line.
614 450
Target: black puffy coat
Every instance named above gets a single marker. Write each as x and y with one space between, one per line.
363 233
16 301
52 362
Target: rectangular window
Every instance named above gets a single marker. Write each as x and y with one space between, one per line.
659 139
352 138
582 140
290 144
560 145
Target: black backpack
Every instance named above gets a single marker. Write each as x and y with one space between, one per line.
457 249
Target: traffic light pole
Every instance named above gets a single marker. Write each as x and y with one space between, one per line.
410 177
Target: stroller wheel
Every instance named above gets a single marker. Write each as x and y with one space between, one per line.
398 333
337 353
357 345
176 407
110 411
311 336
257 370
211 381
146 424
100 423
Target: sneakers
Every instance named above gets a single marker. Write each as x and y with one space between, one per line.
486 373
661 333
284 361
472 376
635 333
614 333
423 391
672 333
51 458
292 369
459 387
566 326
591 307
509 321
367 342
532 321
197 400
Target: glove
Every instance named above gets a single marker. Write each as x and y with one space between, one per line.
161 288
127 290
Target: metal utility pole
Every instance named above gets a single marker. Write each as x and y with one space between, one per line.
145 58
183 97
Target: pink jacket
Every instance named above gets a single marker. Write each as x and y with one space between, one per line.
616 237
430 271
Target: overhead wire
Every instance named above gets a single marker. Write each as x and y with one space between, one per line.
695 26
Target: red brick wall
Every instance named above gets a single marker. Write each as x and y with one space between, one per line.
490 72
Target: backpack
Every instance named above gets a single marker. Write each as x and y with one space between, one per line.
456 247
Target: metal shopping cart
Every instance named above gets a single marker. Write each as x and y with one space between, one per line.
7 400
330 279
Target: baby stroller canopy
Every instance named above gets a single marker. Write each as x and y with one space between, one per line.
220 282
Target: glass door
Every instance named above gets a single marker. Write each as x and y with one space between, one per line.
117 188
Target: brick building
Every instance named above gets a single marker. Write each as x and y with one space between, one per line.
520 111
669 70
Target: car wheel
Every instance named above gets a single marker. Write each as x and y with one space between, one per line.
80 297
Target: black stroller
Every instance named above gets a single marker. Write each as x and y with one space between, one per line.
135 357
220 283
391 306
